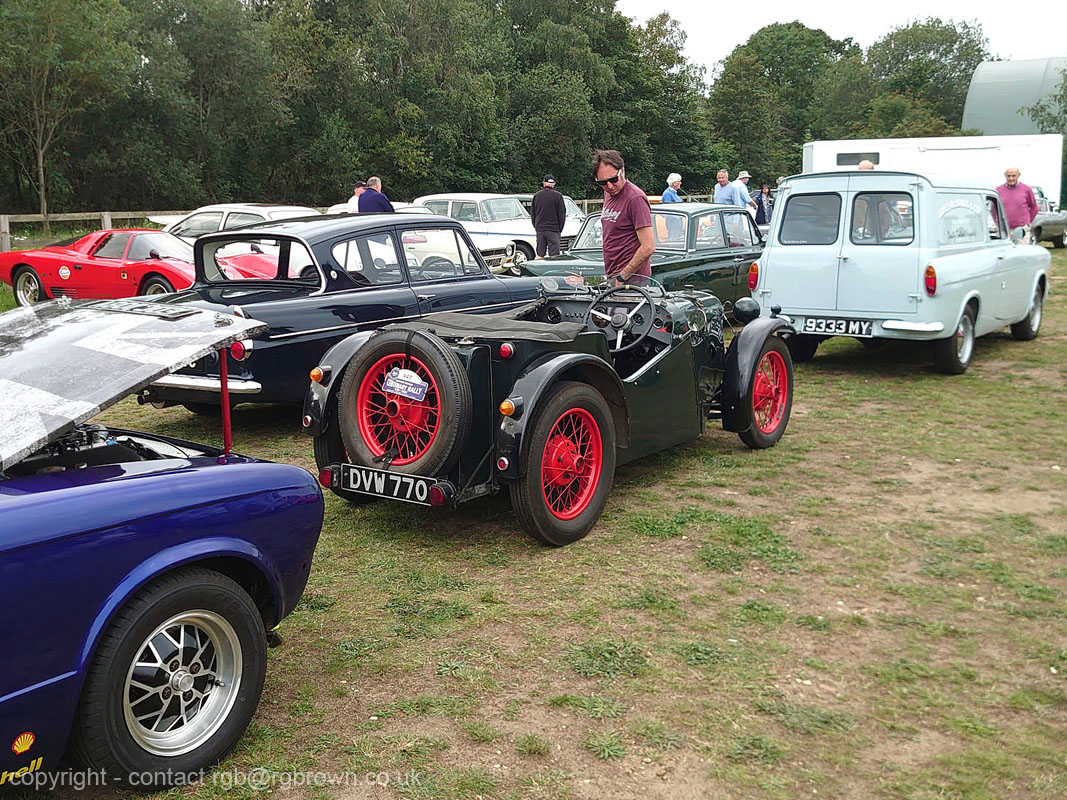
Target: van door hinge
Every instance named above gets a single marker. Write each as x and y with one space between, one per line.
915 296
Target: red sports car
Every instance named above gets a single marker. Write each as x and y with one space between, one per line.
110 263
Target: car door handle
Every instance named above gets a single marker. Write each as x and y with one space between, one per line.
422 297
1000 258
79 266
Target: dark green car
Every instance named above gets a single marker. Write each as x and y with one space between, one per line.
706 246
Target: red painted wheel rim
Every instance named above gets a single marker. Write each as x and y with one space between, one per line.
571 464
388 421
770 391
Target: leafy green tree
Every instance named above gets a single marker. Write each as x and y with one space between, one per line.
931 61
58 59
844 93
894 115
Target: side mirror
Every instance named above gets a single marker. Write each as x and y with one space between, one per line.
153 254
256 248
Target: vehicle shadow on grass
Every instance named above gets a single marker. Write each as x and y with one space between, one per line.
894 358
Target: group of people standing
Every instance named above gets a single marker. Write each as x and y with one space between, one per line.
734 193
367 197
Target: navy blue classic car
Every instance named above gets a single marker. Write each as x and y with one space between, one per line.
141 576
545 400
316 281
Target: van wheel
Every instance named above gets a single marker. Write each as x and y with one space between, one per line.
802 348
421 437
770 396
570 465
1026 329
175 679
953 355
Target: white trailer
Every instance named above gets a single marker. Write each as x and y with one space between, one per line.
973 160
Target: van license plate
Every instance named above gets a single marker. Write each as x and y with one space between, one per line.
838 327
390 485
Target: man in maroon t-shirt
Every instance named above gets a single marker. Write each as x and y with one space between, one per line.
626 222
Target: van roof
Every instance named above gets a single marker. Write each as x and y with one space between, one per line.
883 176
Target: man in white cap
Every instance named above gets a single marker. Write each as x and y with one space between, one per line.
742 184
670 194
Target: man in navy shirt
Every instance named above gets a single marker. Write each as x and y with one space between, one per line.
372 200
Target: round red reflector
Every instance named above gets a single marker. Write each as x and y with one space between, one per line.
507 350
437 496
930 279
326 477
502 463
753 276
238 351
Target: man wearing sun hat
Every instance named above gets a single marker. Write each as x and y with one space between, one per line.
670 194
742 184
549 216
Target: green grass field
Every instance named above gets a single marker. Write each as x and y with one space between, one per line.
872 609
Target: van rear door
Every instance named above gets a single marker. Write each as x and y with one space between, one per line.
800 266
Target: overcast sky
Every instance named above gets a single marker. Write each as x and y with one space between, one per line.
715 29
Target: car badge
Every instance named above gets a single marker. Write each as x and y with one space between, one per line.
575 280
122 275
64 272
22 743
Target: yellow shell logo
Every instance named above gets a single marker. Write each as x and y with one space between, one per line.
22 743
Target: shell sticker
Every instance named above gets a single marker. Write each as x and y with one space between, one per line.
22 743
64 272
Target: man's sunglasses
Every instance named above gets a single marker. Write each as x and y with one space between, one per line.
613 179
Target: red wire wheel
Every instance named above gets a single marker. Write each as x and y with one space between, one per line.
770 390
569 447
771 393
571 464
390 422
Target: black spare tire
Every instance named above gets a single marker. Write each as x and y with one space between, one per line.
416 436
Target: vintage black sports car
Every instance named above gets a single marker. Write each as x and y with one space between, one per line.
702 245
315 281
545 400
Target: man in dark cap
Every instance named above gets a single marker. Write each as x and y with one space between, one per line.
353 201
549 215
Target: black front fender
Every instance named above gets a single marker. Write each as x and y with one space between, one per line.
333 364
531 387
741 361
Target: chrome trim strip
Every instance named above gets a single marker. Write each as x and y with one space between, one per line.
393 320
203 384
915 327
659 357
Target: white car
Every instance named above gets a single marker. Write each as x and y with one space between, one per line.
890 255
224 216
498 214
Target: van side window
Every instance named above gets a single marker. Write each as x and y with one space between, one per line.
811 219
883 218
962 219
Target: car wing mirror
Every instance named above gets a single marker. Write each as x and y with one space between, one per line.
256 248
153 254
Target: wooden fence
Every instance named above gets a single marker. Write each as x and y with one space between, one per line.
106 217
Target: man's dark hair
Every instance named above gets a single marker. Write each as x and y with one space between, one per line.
613 157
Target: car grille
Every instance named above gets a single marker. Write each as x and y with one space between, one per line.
565 242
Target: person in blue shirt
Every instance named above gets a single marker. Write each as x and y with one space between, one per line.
728 193
670 194
372 199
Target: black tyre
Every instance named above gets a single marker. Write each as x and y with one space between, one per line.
1028 327
802 348
570 465
153 706
953 355
329 449
156 284
424 437
27 286
523 253
769 396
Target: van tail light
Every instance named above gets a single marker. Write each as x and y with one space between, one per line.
753 276
930 281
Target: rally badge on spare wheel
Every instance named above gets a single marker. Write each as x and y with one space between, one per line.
64 272
405 383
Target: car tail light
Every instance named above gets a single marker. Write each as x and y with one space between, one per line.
502 463
437 496
327 476
753 276
241 350
930 279
507 350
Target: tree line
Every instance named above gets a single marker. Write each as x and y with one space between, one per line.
154 104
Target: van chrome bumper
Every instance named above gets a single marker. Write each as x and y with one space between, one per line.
914 327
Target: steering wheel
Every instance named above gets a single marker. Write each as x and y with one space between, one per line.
433 263
621 322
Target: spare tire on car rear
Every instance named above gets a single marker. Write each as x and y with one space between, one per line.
381 426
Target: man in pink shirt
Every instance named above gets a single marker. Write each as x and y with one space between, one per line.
626 222
1020 206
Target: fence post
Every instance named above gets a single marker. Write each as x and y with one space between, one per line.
105 219
5 233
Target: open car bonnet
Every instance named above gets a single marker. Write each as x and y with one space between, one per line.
61 363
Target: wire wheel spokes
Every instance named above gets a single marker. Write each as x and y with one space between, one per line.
182 683
389 422
770 387
571 464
